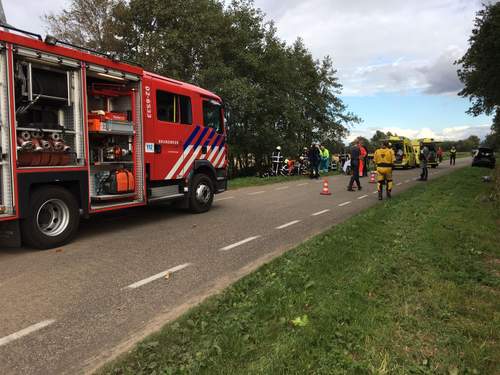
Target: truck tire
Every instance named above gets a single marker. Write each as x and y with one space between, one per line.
202 194
53 218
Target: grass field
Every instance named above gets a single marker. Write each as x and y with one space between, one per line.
240 182
410 286
459 155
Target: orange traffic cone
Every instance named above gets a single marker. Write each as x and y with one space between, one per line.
372 177
326 189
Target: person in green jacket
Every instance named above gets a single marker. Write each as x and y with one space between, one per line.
325 159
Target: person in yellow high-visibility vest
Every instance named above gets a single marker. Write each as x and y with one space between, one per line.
384 160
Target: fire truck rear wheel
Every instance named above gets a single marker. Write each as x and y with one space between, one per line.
52 220
202 194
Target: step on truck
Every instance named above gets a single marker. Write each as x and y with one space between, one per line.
83 133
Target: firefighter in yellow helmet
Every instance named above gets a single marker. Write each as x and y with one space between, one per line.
384 160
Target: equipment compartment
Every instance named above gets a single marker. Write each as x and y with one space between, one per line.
114 141
48 102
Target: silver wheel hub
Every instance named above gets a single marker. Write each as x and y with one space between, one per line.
52 217
203 193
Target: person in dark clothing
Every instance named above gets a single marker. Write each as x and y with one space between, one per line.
355 155
453 155
424 160
314 160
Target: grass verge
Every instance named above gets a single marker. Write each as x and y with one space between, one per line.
241 182
410 286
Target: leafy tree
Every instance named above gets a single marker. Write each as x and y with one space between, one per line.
366 143
274 93
88 23
378 138
480 66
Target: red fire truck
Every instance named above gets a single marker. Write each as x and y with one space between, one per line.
82 133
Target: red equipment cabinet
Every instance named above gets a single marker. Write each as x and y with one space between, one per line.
98 118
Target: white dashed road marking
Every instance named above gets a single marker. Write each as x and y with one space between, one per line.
307 183
246 240
375 192
399 184
344 204
320 213
283 188
363 197
407 181
25 332
256 192
288 224
157 276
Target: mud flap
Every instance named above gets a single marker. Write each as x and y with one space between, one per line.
10 234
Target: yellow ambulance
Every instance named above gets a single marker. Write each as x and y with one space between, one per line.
404 152
432 145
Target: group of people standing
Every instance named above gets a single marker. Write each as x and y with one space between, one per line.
383 157
319 159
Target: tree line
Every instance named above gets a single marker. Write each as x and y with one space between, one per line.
479 69
274 93
463 145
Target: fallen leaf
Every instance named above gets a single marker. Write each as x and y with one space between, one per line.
301 321
167 276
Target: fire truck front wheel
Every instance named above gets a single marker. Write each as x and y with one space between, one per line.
52 220
202 194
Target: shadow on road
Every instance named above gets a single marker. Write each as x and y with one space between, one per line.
114 221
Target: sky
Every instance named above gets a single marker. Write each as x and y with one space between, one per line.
394 58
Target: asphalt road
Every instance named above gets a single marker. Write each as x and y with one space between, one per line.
69 310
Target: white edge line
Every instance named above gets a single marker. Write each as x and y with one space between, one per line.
320 212
283 188
223 199
24 332
344 204
288 224
157 276
363 197
246 240
307 183
257 192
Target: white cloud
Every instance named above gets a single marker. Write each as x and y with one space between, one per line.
450 133
382 46
387 46
27 15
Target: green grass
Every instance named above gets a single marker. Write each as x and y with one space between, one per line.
460 155
241 182
410 286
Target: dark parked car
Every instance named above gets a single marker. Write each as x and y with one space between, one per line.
484 157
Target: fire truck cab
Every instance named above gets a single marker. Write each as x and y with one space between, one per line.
83 133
